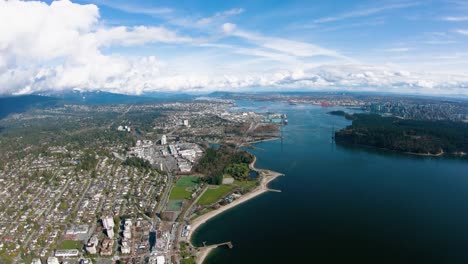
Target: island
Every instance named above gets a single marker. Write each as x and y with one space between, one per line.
421 137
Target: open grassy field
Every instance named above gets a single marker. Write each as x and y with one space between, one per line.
180 193
246 186
183 188
70 244
214 194
187 181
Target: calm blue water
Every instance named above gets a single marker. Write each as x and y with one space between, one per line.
344 205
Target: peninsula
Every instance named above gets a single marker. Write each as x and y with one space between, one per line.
421 137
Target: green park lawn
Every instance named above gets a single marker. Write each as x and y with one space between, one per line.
187 181
70 244
246 186
178 193
183 188
214 194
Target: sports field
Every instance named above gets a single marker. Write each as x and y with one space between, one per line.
183 188
70 244
180 193
187 181
174 205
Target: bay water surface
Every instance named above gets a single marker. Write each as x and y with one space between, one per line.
342 204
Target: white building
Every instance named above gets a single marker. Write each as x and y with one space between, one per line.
108 222
36 261
81 229
92 244
156 260
163 140
66 253
52 260
110 233
127 234
173 150
186 123
160 260
91 248
124 128
125 248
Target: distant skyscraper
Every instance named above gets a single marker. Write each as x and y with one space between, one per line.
163 140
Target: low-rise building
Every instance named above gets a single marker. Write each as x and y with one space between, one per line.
125 248
91 246
52 260
36 261
106 248
67 253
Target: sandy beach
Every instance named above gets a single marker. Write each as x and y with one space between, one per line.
267 177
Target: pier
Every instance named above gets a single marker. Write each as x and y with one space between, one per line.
274 190
228 244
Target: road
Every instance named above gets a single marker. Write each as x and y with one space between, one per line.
189 209
165 196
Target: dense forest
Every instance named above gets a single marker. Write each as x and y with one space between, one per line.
404 135
224 160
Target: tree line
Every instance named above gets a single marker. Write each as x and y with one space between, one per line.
405 135
224 160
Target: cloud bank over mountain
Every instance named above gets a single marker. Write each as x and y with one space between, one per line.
64 45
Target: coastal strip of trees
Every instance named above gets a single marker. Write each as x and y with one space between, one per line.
405 135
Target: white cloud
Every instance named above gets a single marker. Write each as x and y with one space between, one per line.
461 31
219 16
206 23
364 12
228 28
286 46
37 31
126 6
59 46
455 18
125 36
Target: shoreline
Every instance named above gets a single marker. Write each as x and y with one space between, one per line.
267 177
371 147
260 140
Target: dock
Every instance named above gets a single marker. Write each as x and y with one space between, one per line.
274 190
228 244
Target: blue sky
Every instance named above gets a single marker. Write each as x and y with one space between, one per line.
142 46
368 31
